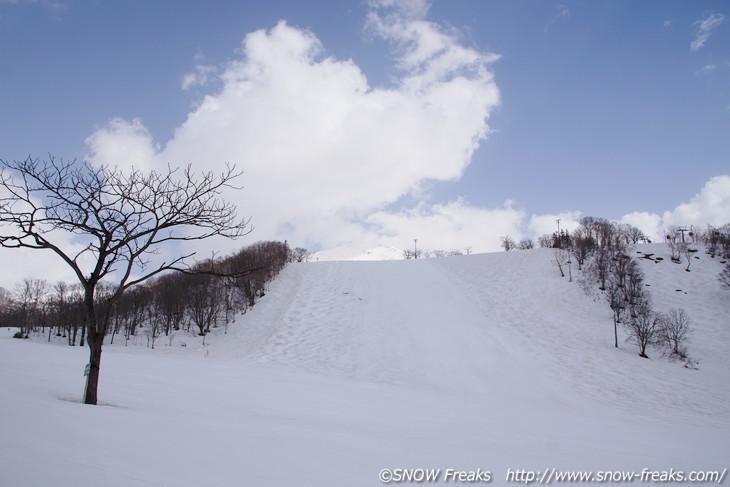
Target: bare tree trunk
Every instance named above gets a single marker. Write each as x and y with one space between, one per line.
95 340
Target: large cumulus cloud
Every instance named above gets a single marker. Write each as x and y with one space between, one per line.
320 148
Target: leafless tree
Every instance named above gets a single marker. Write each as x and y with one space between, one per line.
676 243
526 244
617 303
717 241
582 248
561 258
169 302
605 232
545 241
633 289
675 331
203 301
724 276
29 300
508 243
689 253
118 219
6 307
599 267
299 254
633 235
644 328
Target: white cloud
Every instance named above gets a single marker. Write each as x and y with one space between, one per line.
405 9
200 77
669 24
710 206
649 223
547 224
123 143
18 264
706 70
453 225
320 148
705 28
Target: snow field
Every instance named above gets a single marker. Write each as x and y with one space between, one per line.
345 368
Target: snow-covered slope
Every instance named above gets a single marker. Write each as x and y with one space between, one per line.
488 362
355 251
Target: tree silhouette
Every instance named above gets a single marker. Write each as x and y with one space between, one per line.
105 224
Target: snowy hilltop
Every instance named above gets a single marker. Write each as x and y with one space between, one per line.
345 370
355 251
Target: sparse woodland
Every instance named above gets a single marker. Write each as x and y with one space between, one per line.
157 309
602 251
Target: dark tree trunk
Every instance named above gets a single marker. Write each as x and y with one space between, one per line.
95 341
95 331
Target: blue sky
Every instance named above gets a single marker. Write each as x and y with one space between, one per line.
452 121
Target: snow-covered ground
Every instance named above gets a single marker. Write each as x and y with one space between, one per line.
488 362
357 251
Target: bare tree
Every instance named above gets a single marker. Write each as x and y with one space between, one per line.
29 300
203 301
582 248
633 235
677 245
717 241
299 254
644 328
724 276
117 218
169 302
508 243
526 244
599 267
605 232
689 252
545 241
561 257
675 331
633 289
615 297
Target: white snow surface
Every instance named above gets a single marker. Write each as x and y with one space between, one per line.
356 251
488 362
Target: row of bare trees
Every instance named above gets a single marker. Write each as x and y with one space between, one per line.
620 279
601 250
428 254
191 302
